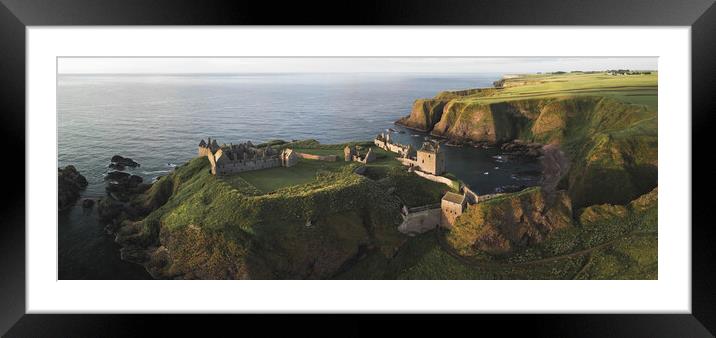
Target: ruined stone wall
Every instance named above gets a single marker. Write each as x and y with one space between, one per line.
407 162
212 160
399 149
289 161
419 222
490 196
203 151
327 158
440 179
380 144
241 166
472 197
392 147
448 213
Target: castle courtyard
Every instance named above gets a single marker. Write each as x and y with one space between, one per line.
305 171
268 180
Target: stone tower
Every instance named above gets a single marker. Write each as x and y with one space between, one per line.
431 158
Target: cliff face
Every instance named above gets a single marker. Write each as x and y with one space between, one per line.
516 220
425 114
611 145
492 123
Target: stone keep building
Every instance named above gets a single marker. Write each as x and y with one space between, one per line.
236 158
431 159
451 206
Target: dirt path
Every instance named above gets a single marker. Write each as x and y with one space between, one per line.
490 264
584 266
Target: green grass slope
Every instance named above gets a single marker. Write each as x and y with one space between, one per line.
210 229
605 242
313 220
502 224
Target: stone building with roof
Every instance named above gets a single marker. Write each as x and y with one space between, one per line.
451 206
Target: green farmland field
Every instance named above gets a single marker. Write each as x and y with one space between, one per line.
638 89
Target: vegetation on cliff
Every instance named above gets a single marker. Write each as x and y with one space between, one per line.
191 224
605 242
606 124
515 220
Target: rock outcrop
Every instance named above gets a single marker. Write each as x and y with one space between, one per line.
500 225
69 184
425 114
122 186
121 162
88 203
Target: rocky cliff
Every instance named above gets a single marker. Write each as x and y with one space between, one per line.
611 144
516 220
425 114
600 156
69 184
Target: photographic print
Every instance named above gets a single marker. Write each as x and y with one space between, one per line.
357 168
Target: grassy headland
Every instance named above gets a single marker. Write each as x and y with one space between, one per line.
322 220
314 221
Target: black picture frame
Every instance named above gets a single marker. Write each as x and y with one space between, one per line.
16 15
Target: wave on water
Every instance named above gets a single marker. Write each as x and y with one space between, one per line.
156 172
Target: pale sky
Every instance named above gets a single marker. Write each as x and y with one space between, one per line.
349 65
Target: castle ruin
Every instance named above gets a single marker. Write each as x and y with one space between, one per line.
384 142
430 158
236 158
350 153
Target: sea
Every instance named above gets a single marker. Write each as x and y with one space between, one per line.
159 119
